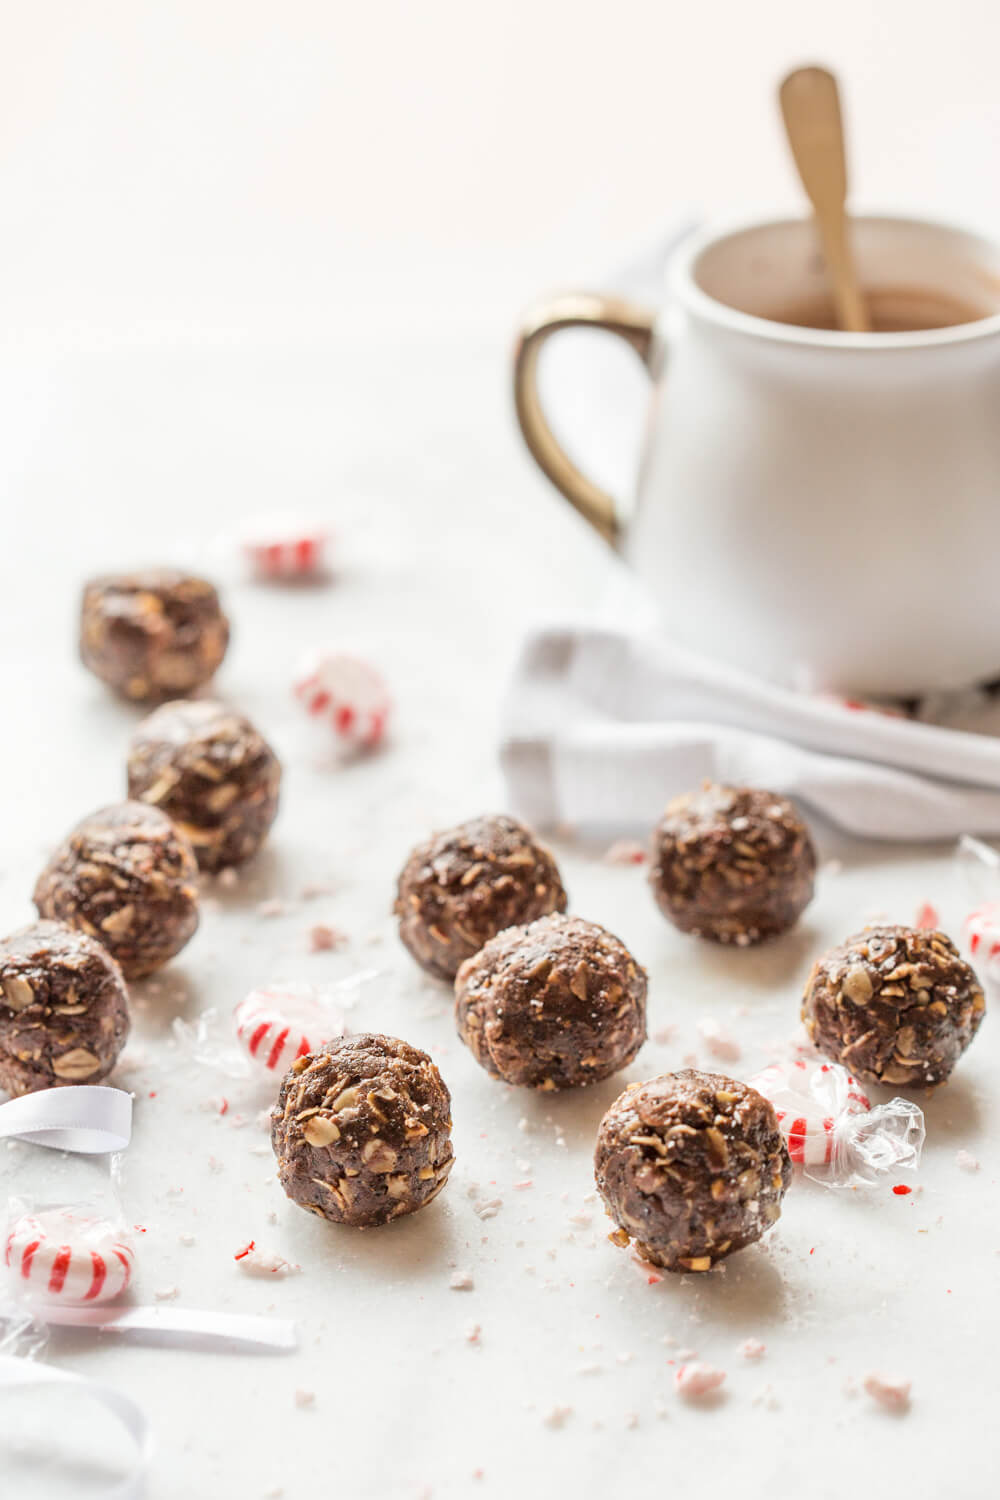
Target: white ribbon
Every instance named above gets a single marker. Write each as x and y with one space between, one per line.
89 1119
178 1325
18 1373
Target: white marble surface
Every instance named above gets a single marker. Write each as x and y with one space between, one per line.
449 546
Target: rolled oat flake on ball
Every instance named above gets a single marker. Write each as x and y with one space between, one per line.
362 1130
127 877
692 1166
154 634
212 773
732 864
460 888
64 1015
894 1005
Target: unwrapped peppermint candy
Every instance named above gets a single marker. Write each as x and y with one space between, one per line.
347 693
62 1255
831 1129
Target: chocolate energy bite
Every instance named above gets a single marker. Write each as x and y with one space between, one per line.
692 1166
63 1009
362 1130
732 864
127 877
212 773
462 887
154 634
557 1004
894 1005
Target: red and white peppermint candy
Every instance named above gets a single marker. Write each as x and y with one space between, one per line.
58 1255
981 930
279 1024
284 547
809 1100
347 693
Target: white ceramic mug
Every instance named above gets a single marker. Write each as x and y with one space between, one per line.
820 508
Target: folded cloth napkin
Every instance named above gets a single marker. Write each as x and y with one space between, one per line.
602 726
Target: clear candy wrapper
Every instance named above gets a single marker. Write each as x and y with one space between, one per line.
22 1334
831 1128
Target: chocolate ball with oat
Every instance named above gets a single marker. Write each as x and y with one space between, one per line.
127 877
557 1004
64 1014
462 887
362 1130
154 634
212 773
894 1005
732 864
692 1166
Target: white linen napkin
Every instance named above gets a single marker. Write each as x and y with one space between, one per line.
601 726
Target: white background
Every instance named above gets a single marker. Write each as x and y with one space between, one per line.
255 167
259 255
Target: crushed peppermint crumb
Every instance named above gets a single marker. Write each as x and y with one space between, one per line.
317 888
489 1209
625 852
245 1251
304 1397
526 1182
166 1293
888 1390
927 916
462 1281
323 938
697 1380
186 1239
966 1162
718 1040
752 1348
472 1332
270 908
901 1189
556 1416
256 1262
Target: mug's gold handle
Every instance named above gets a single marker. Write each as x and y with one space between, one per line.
580 310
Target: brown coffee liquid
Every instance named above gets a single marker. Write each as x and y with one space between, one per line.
902 309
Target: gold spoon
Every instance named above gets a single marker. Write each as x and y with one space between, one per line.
810 107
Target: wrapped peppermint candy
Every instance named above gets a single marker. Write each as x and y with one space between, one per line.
345 693
831 1128
285 1021
979 872
285 548
68 1255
